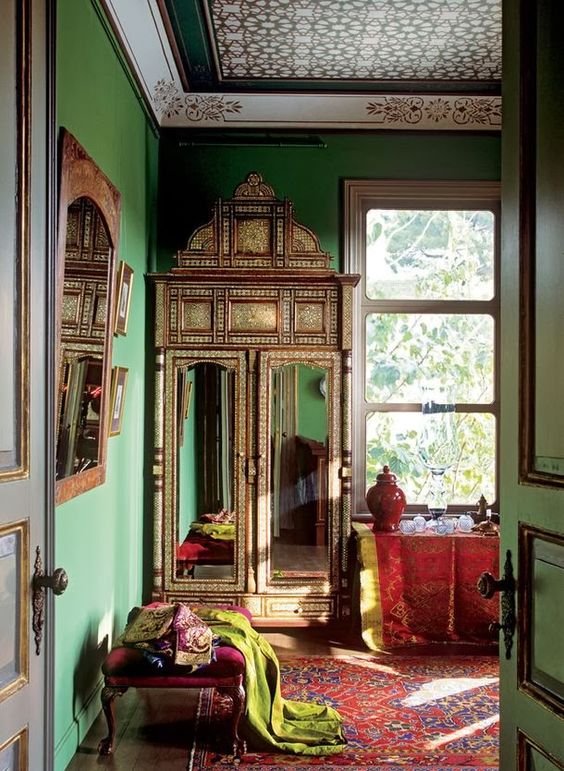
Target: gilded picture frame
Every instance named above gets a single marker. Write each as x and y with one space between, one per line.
117 399
123 298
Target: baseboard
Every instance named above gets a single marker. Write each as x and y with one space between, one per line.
75 733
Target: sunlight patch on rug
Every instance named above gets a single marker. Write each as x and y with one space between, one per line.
399 712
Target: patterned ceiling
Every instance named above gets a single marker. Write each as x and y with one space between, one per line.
314 64
337 44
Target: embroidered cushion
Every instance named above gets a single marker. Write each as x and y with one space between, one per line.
194 638
150 623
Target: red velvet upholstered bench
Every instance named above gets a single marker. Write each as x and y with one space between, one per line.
127 668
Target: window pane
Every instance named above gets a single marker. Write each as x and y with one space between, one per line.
391 438
429 254
405 351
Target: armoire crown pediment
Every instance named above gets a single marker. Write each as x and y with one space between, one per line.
254 229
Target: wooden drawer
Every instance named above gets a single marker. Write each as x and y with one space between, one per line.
213 602
320 608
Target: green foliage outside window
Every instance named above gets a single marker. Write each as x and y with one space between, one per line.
430 255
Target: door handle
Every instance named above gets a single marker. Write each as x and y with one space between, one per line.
57 582
487 586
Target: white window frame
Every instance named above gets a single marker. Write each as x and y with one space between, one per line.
359 197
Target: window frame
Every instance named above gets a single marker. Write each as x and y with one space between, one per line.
359 197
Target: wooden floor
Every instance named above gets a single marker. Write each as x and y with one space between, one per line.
154 727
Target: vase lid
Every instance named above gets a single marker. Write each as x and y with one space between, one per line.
387 477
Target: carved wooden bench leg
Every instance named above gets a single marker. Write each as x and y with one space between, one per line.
108 695
237 695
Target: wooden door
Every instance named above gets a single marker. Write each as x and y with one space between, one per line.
532 376
25 705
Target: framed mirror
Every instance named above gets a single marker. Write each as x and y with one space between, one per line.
208 486
300 494
88 234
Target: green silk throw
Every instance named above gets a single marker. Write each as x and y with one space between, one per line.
272 722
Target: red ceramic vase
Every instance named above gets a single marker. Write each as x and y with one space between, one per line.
386 501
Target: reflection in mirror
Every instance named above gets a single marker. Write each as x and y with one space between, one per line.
298 474
205 506
88 234
83 331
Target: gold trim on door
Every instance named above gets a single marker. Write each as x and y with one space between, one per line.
21 655
22 740
19 466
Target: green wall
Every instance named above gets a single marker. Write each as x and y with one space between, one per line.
99 535
188 468
191 178
312 406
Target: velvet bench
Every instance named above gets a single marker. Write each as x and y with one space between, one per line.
127 668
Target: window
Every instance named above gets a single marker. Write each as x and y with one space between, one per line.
426 314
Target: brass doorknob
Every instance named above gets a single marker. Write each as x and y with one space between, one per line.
488 585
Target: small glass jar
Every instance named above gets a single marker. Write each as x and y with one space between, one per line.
450 525
465 523
441 526
420 523
407 526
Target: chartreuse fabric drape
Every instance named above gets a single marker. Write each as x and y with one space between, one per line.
273 722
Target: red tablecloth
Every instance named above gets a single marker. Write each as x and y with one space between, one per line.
422 588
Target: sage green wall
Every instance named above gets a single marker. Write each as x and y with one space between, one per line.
191 178
188 468
99 535
312 406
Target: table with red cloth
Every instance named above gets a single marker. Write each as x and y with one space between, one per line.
421 588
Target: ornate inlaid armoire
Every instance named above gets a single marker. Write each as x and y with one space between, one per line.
252 462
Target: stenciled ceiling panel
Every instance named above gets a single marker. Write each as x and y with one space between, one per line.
356 40
315 64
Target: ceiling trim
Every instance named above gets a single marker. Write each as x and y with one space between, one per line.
142 34
326 111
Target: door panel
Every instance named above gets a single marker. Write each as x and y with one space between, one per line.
541 666
532 351
14 241
24 455
14 604
13 752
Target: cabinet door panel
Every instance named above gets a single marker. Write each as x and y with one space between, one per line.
204 480
298 497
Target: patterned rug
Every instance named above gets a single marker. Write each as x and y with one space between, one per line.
423 713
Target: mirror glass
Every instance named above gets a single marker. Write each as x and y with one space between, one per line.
298 472
205 490
83 323
87 238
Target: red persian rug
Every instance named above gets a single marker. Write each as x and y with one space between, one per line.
422 713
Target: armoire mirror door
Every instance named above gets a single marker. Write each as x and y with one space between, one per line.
205 536
298 498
